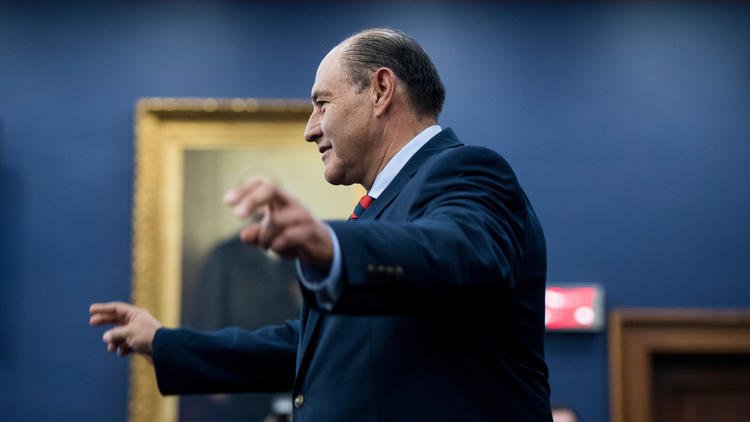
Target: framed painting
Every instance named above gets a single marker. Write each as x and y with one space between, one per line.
189 267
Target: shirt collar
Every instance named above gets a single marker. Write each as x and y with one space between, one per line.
398 161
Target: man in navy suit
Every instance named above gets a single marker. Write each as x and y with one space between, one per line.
428 304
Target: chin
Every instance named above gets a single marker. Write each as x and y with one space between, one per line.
331 177
335 178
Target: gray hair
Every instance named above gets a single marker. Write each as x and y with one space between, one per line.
374 48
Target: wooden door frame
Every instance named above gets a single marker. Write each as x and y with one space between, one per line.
636 335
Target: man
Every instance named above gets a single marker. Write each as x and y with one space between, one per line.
426 305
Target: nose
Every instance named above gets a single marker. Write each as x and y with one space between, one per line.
313 132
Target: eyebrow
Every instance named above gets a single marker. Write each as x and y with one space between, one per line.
316 94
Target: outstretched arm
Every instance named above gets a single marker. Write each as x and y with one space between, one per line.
189 361
226 361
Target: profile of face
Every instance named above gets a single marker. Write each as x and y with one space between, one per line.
341 122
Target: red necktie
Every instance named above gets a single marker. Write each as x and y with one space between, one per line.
363 204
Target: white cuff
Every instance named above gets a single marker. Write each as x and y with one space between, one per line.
326 287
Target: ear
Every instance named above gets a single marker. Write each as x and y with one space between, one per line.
383 88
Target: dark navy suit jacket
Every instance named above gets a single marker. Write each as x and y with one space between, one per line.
439 312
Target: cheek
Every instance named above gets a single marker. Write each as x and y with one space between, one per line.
323 123
326 121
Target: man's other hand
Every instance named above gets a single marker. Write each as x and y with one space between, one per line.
287 226
135 328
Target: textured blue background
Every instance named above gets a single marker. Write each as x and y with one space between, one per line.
628 124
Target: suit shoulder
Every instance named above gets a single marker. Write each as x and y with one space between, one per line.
468 157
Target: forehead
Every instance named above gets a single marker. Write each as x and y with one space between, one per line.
331 75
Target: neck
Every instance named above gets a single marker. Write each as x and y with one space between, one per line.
394 138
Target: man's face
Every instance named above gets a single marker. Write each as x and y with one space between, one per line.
340 123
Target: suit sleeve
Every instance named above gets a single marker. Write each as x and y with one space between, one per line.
463 239
230 360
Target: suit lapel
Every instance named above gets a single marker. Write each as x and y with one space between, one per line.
445 139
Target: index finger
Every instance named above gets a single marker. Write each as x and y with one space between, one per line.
257 197
118 308
234 196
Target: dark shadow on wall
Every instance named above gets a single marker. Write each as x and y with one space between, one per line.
10 245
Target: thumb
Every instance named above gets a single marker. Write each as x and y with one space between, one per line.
117 335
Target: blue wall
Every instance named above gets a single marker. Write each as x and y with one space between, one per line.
628 124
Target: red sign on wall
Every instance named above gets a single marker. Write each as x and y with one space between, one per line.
574 308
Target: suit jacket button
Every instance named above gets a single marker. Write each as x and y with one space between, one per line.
299 400
370 268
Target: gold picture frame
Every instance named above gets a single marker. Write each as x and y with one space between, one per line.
167 131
